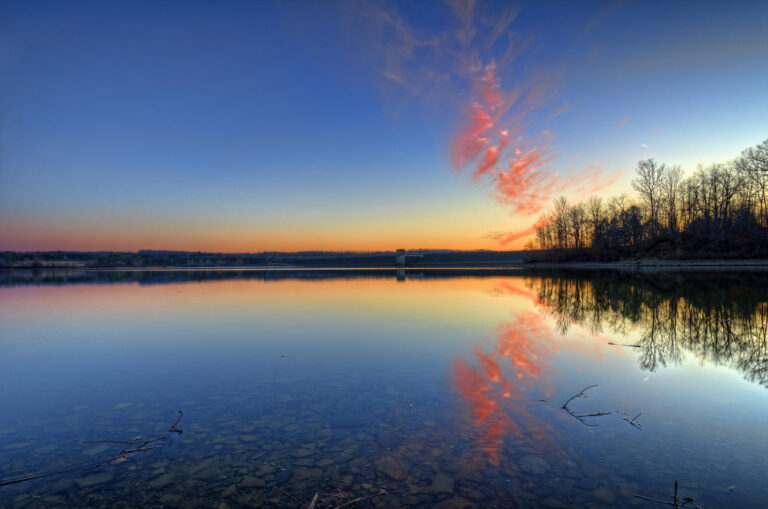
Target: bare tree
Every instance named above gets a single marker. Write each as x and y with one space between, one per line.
753 164
561 222
649 184
576 216
670 184
595 213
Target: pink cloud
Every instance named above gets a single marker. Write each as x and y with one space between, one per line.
470 66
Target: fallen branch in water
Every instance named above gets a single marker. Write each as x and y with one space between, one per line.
290 496
677 502
581 394
580 417
596 414
633 421
131 448
350 503
381 492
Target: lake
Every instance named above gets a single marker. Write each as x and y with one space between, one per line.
449 389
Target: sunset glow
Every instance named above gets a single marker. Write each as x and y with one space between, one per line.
354 125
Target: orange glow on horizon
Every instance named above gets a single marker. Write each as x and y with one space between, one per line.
459 229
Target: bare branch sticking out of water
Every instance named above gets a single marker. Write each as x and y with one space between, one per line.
677 501
131 448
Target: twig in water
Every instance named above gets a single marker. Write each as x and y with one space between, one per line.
290 496
580 417
578 395
22 479
174 429
596 414
619 344
131 448
677 502
349 503
633 421
381 492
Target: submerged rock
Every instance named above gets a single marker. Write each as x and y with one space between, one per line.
441 483
534 465
265 470
456 503
303 453
253 482
93 480
302 473
604 494
628 490
93 451
392 468
163 480
553 503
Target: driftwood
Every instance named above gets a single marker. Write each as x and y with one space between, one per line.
677 501
135 446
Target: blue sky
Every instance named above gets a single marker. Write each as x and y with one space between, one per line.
249 126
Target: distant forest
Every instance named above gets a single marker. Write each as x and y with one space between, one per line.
720 211
151 258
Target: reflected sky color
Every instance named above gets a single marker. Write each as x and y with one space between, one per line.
197 126
477 364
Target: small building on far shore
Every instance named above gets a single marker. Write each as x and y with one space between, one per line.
400 256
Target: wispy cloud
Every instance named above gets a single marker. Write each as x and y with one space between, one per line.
473 61
622 122
559 110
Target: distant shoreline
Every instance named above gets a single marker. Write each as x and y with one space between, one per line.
642 265
650 264
414 260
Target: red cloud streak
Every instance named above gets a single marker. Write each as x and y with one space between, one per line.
492 141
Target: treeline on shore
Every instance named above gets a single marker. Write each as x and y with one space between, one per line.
720 211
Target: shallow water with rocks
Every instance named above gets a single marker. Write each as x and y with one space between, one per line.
451 390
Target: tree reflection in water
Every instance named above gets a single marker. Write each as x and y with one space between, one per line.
721 320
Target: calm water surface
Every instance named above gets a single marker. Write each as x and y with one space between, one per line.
440 391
